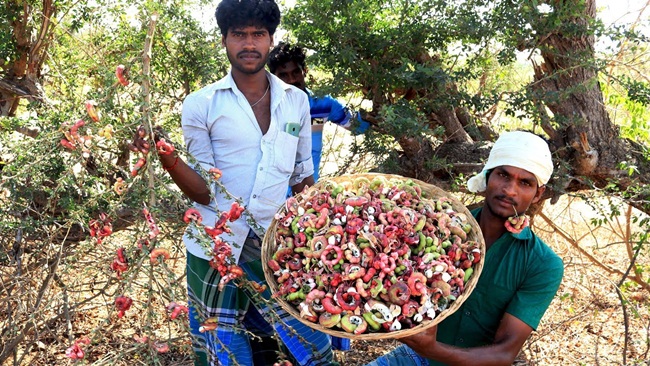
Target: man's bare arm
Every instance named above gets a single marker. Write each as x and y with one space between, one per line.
509 338
188 180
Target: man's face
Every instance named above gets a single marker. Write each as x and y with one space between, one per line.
510 189
292 73
247 48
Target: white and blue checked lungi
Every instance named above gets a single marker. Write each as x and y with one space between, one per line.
229 344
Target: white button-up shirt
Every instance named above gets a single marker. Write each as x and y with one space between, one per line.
220 130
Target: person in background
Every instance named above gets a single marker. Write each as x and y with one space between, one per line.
287 62
520 276
256 130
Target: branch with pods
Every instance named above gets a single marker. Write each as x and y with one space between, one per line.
147 255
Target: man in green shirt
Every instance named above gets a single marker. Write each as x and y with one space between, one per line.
520 277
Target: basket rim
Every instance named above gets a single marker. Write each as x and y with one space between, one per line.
269 247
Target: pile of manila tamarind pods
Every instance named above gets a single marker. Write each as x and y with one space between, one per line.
371 254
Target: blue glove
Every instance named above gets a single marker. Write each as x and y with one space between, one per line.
362 127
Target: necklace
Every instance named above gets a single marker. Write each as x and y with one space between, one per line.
267 90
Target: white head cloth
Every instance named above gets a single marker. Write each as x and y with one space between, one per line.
520 149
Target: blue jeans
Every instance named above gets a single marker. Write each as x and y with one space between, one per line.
400 356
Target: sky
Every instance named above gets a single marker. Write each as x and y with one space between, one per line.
621 11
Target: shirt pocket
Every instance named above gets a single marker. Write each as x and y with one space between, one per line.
286 147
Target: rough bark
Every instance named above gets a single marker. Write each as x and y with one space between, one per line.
454 130
21 78
566 82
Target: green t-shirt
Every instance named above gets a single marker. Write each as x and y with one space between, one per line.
520 276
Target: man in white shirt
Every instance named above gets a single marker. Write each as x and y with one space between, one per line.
256 130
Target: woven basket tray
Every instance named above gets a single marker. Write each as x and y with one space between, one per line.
269 247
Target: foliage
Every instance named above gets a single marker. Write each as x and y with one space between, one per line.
51 194
629 101
440 55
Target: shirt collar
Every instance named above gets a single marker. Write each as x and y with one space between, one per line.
229 83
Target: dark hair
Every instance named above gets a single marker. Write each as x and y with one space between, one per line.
243 13
285 52
487 175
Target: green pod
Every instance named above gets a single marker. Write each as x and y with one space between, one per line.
438 206
468 274
420 225
336 191
376 183
371 322
294 225
387 205
421 244
294 296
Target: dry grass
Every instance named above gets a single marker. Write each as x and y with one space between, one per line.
585 324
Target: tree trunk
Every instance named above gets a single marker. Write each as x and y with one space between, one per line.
567 84
22 76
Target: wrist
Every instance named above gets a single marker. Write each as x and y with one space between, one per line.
169 163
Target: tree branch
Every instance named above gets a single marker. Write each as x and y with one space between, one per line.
591 258
146 91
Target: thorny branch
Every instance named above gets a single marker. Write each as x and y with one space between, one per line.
575 244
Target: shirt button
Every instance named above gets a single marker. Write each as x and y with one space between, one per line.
254 196
467 313
261 168
460 340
